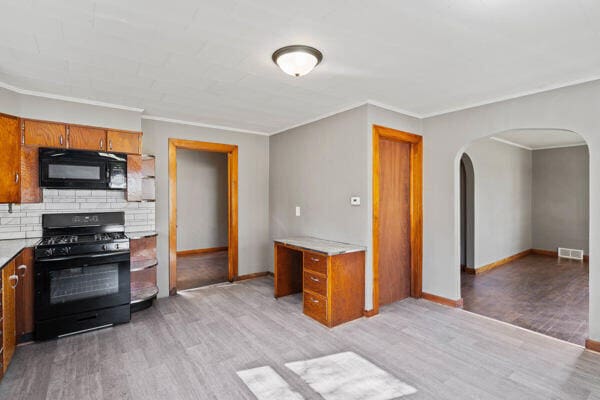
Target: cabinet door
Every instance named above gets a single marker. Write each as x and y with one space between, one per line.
10 161
45 134
134 177
24 293
9 338
124 142
85 138
30 172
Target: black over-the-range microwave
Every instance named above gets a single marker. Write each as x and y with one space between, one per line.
79 169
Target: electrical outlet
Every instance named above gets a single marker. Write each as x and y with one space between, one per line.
297 211
355 201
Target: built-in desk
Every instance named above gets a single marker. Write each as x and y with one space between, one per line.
330 275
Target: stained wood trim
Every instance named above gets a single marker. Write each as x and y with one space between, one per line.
254 275
443 300
551 253
232 194
499 263
416 208
201 251
592 345
369 313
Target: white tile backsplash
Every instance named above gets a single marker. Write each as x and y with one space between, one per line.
26 219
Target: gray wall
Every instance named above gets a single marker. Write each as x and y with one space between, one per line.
561 198
502 200
201 199
255 248
574 108
318 167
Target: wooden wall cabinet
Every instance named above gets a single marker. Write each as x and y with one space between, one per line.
44 134
140 178
86 138
124 142
10 161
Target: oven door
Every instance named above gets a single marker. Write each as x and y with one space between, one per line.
75 284
73 169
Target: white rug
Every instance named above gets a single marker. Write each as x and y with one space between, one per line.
266 384
348 376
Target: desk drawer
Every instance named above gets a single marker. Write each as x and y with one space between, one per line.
316 262
315 283
315 306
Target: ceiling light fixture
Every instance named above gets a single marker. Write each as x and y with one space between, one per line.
297 60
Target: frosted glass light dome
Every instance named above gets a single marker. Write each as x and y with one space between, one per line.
297 60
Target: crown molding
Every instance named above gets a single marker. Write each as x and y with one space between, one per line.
202 125
560 146
52 96
394 109
508 142
493 100
320 117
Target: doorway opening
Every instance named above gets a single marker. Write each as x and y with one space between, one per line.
397 216
524 195
202 214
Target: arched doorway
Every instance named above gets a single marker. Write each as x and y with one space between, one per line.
524 194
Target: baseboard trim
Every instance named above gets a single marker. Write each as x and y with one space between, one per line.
554 254
592 345
499 263
443 300
201 251
254 275
370 313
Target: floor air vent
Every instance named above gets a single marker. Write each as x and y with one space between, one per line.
574 254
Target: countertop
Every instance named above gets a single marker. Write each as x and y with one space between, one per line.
10 248
328 247
140 234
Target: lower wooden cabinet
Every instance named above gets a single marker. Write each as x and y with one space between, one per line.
16 308
24 295
9 332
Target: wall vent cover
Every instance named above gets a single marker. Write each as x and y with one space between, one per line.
574 254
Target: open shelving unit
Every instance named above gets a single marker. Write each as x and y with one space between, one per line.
142 245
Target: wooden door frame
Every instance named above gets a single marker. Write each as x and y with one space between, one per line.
232 200
416 208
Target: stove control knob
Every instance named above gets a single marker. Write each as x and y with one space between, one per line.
103 247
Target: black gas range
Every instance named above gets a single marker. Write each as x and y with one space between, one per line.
82 270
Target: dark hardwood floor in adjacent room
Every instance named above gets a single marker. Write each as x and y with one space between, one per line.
541 293
196 270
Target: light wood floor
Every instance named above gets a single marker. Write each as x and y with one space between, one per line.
545 294
196 270
191 345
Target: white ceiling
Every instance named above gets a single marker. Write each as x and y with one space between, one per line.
537 139
210 61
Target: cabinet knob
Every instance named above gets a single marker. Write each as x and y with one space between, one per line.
23 268
14 278
101 144
17 177
60 140
110 144
314 300
315 259
314 279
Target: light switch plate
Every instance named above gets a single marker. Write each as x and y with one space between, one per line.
355 201
297 211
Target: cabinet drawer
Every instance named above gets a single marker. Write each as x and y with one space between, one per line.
316 262
315 283
315 306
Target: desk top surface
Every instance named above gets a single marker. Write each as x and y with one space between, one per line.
328 247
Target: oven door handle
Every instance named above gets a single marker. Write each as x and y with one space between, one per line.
101 255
